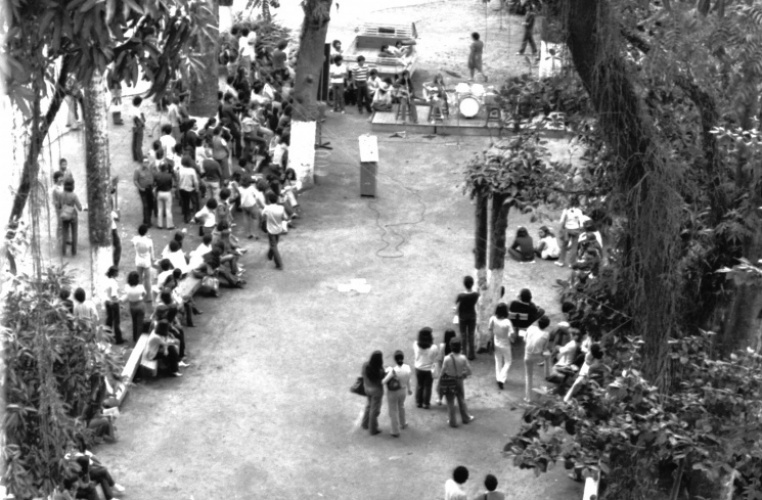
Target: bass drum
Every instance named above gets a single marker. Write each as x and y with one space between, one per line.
469 106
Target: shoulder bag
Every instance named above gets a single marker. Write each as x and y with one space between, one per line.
394 383
358 387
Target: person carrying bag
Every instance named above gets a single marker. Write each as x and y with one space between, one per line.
455 369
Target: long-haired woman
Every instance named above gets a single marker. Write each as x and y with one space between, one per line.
373 373
502 332
426 355
134 295
444 350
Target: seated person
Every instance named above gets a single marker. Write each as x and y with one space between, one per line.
382 100
522 248
66 490
197 256
592 366
165 272
168 310
588 266
387 52
547 247
524 312
162 347
98 472
99 426
567 355
590 238
212 266
174 254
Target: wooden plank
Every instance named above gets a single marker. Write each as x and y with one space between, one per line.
188 286
131 368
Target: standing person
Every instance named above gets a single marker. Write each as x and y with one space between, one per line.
338 72
465 304
571 227
397 381
83 308
134 295
426 354
57 193
372 374
173 114
69 209
502 332
168 142
138 127
143 180
275 216
212 174
116 240
455 369
475 57
144 257
528 33
523 312
63 167
164 182
279 58
221 152
187 186
444 350
361 72
252 203
535 352
112 304
454 487
229 119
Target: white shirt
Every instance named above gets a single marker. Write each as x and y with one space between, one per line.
338 73
571 218
251 196
197 256
143 251
501 329
567 352
274 215
551 249
112 290
425 358
453 491
536 342
168 143
206 215
176 258
403 374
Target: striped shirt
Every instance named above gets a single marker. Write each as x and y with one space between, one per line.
361 73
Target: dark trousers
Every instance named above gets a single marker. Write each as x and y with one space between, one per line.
528 38
424 380
363 96
188 307
467 333
116 243
113 320
186 201
459 395
179 334
273 253
338 96
138 314
69 228
372 411
101 475
146 198
137 144
171 358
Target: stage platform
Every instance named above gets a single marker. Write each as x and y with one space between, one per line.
455 124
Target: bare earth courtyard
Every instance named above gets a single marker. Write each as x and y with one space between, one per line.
264 411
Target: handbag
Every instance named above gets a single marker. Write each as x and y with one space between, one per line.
68 212
358 387
394 383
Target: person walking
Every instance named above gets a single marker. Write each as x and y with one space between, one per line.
397 382
144 257
372 375
134 295
164 182
528 37
275 217
143 180
455 369
68 209
535 352
475 56
426 355
501 329
138 128
116 240
465 304
111 304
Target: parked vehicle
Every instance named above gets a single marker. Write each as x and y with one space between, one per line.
373 36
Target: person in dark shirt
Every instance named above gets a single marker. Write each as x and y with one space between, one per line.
524 312
229 119
522 249
214 260
64 295
164 182
212 174
465 304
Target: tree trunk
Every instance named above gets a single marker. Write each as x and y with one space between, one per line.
480 238
652 207
491 292
98 175
309 62
204 87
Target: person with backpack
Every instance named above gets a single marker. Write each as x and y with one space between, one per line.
455 368
397 382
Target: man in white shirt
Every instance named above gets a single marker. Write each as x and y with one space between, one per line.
454 487
188 184
275 216
168 142
197 256
536 351
338 72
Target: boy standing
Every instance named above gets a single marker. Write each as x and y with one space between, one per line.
138 126
465 304
361 73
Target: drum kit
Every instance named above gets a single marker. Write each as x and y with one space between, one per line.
471 97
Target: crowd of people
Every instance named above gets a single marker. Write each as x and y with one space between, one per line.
568 357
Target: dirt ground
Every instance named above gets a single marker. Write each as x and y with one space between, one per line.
264 411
